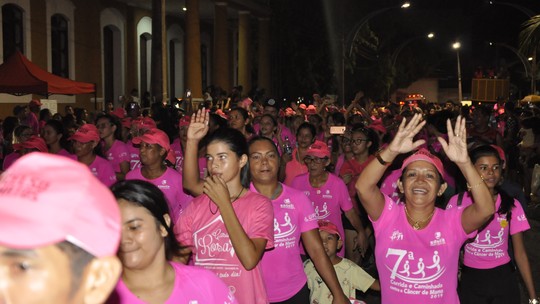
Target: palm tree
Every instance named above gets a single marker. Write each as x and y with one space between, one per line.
529 38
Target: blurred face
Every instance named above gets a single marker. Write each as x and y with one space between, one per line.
223 162
314 120
420 183
316 165
271 111
83 149
25 135
41 275
142 237
50 136
489 169
331 243
151 153
267 126
359 143
263 162
105 128
304 138
236 120
346 142
182 133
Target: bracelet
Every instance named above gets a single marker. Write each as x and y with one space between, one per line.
469 187
381 160
534 301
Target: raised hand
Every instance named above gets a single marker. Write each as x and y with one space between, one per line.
198 127
456 147
404 142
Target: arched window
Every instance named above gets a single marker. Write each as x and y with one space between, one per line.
59 46
12 31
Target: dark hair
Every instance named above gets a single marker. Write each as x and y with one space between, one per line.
338 118
78 260
59 129
262 138
309 127
237 143
144 194
245 114
218 120
113 120
487 150
20 129
8 126
370 134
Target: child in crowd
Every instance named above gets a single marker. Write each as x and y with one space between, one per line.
351 276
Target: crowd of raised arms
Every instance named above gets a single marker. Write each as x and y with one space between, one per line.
268 201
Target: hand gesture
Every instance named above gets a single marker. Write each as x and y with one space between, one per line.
217 190
456 147
198 127
404 142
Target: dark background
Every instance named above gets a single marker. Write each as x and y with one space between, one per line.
309 35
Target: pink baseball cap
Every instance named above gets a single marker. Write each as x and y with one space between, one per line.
34 142
318 149
425 155
46 199
311 109
158 137
184 121
86 133
302 106
147 123
329 227
119 112
35 102
500 151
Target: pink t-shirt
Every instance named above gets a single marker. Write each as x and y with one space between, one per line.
103 170
205 231
354 168
283 270
178 154
170 183
191 285
328 200
293 169
117 154
133 153
339 164
389 185
65 153
418 266
285 133
490 247
10 159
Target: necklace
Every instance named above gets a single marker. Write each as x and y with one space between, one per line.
234 200
416 224
276 192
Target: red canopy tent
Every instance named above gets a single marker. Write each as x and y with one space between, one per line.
19 76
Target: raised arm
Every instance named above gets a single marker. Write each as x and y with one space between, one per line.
477 214
366 186
198 128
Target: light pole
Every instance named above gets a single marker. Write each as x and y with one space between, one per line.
456 46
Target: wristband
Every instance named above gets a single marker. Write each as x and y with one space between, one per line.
534 301
381 160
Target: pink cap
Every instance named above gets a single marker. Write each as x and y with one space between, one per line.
425 155
311 109
289 112
500 151
119 112
126 122
34 142
329 227
222 114
377 126
302 106
158 137
86 133
147 123
46 199
184 121
35 102
318 149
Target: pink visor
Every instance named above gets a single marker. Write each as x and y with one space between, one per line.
34 142
318 149
424 155
46 199
184 121
329 227
86 133
157 137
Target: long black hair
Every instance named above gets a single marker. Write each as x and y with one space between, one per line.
237 143
507 203
144 194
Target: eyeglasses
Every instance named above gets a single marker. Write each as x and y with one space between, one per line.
358 141
317 160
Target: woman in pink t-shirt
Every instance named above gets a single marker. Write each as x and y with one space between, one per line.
227 226
294 221
418 244
239 120
293 164
110 131
53 134
147 250
488 272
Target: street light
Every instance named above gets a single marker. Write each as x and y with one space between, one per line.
456 46
529 63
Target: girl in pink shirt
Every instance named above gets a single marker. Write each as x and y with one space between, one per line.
294 221
110 131
488 272
227 227
293 164
418 245
53 134
147 250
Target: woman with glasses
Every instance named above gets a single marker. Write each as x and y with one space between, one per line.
328 193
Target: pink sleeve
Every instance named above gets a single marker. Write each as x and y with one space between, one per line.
344 198
182 229
518 222
308 218
123 153
106 174
261 221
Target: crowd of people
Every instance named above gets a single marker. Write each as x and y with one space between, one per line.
269 201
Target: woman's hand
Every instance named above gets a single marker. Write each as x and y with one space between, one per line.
217 191
403 141
198 127
456 147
